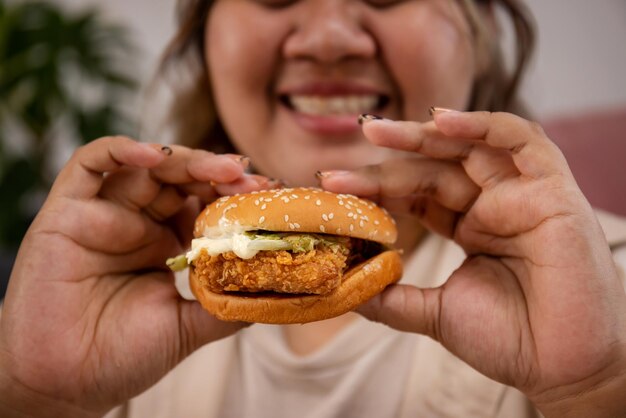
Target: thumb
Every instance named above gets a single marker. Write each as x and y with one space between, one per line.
406 308
198 327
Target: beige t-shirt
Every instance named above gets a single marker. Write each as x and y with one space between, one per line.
367 370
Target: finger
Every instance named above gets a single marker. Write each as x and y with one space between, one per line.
182 166
422 138
131 187
248 183
102 225
444 181
186 165
406 308
171 199
485 165
436 217
488 166
83 175
533 153
166 204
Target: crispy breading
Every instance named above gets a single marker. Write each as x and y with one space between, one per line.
313 272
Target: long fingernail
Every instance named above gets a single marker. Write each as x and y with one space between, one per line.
434 110
321 175
366 117
167 150
244 161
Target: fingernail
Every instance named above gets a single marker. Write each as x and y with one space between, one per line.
366 117
321 175
434 110
260 180
167 150
278 183
244 161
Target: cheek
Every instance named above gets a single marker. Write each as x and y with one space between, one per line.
240 51
432 62
230 54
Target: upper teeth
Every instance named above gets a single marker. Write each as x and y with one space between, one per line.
334 105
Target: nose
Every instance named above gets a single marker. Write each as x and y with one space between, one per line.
329 31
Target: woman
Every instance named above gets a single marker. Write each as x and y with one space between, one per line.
532 298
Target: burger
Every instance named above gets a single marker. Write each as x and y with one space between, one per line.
289 255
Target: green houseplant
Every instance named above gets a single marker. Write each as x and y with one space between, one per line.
62 76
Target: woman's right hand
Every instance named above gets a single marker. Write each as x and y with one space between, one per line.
92 317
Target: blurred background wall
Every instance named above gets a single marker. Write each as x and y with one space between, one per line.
576 87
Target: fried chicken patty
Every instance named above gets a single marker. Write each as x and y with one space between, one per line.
313 272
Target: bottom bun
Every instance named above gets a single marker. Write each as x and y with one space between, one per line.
359 284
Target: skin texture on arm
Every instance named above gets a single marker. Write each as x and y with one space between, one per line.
538 303
92 317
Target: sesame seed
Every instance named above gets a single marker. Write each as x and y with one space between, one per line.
292 226
322 228
242 198
294 196
325 217
256 202
350 214
264 206
351 227
376 223
339 230
331 215
318 203
359 211
361 224
297 225
341 203
286 218
307 197
262 219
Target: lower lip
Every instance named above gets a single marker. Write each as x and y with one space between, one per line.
327 124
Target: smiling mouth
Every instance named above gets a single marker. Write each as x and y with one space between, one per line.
335 105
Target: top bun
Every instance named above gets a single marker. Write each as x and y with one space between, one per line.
305 210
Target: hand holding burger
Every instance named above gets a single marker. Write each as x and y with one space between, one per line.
290 255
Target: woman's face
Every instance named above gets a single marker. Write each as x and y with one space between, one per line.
291 77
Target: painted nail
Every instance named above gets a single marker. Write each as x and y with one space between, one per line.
321 175
433 110
366 117
167 150
244 161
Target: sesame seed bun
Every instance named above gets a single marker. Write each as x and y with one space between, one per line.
300 210
303 210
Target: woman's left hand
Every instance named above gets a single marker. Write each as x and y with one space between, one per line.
538 303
